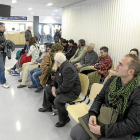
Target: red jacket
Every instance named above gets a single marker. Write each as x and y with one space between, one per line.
25 59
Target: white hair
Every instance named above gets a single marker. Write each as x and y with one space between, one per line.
60 57
92 45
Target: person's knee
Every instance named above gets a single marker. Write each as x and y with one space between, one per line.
31 72
56 101
73 132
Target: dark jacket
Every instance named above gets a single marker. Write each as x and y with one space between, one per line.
28 34
2 41
9 46
70 52
129 124
67 83
66 48
57 36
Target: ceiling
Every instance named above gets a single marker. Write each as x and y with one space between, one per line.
39 7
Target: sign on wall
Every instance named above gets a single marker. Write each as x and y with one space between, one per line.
13 18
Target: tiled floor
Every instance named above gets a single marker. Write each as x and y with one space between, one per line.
19 116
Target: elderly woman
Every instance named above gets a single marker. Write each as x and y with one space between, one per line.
64 89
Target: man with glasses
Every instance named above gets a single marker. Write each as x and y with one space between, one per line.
89 58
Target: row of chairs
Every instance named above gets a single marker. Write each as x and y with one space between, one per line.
78 110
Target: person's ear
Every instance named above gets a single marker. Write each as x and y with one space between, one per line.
131 71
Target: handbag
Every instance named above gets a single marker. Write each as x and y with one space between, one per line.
107 116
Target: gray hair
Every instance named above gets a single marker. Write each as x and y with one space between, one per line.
92 45
60 57
1 24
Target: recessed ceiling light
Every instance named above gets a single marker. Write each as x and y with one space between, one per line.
49 4
30 8
14 1
55 10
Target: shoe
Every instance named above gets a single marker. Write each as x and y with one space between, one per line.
44 110
21 86
20 80
14 73
5 85
39 89
32 86
61 124
11 70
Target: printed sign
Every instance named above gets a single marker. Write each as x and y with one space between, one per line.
13 18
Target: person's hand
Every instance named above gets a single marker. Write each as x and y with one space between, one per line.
33 61
80 66
54 94
93 120
95 129
53 89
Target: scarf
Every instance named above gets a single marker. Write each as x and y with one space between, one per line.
118 95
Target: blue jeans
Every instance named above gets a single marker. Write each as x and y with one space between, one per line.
2 68
34 75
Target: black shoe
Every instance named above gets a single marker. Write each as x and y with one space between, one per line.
39 89
32 86
61 124
44 110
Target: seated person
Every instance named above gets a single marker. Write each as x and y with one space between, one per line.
60 40
64 89
65 45
26 48
34 52
135 52
35 73
122 93
71 49
79 53
89 58
104 62
47 64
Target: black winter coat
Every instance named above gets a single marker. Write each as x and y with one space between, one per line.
2 41
130 123
67 83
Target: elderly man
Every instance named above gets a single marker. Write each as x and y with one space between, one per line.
2 56
79 53
89 58
28 33
64 89
121 92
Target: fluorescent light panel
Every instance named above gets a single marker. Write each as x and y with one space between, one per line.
14 1
49 4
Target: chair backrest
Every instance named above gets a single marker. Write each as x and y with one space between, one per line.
84 83
95 89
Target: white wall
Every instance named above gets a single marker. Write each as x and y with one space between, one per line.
113 23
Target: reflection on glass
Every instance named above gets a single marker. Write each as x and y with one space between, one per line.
12 92
18 125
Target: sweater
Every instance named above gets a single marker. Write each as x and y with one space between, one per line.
89 58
